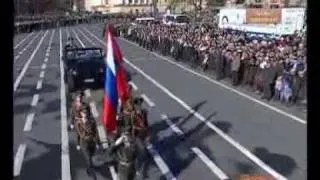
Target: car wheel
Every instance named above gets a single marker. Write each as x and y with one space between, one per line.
102 83
65 77
71 84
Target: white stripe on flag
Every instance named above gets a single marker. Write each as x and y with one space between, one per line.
110 57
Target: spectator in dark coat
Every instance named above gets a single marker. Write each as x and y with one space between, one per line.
235 67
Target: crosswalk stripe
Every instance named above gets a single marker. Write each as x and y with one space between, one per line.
18 160
215 169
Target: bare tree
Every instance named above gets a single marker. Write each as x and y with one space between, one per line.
197 5
155 7
173 4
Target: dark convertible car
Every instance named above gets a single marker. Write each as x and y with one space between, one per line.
84 66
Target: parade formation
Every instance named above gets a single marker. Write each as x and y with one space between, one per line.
142 97
127 127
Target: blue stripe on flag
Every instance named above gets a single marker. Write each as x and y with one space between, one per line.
111 88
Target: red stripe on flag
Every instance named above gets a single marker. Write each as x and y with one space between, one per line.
109 115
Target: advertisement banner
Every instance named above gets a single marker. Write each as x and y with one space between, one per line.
232 16
293 19
263 16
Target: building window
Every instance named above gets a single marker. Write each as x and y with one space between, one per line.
136 1
130 1
142 1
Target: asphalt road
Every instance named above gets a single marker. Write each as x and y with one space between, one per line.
201 128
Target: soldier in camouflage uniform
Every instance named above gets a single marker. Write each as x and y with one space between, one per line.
76 107
87 136
125 149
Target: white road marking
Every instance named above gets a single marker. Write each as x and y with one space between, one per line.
21 75
86 37
35 100
18 159
234 143
17 57
133 86
28 123
39 67
215 169
46 59
101 130
102 136
160 163
94 110
171 124
65 159
49 46
16 46
41 74
77 37
226 87
28 45
39 84
113 173
44 66
148 101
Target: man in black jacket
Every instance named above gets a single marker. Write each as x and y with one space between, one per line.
220 64
269 78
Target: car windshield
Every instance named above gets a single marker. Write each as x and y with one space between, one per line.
182 19
84 54
144 21
170 18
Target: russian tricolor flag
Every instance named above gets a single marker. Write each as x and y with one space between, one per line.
116 85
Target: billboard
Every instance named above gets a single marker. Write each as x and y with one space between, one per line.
263 16
231 16
293 19
284 21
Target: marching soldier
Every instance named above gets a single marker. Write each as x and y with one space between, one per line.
76 106
141 133
87 136
125 114
125 149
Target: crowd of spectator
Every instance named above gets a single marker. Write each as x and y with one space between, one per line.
272 66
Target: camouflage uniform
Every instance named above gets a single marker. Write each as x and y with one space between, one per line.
126 153
87 136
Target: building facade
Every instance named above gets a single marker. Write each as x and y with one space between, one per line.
133 6
115 6
276 3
